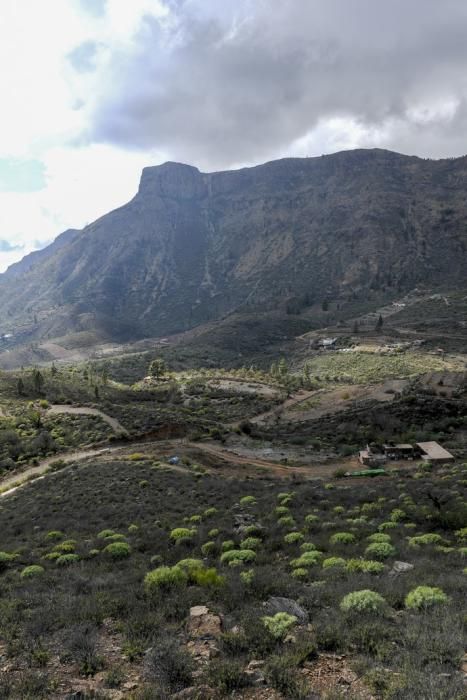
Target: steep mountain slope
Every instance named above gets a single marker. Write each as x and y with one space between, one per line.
190 247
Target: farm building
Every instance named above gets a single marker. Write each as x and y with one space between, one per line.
401 451
371 458
433 452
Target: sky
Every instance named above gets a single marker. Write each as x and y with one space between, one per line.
92 91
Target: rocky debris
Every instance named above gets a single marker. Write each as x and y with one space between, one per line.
331 673
200 692
204 628
464 665
400 567
203 623
277 604
254 673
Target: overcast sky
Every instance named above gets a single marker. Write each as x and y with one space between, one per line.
94 90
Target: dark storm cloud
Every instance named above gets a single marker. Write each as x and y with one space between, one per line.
241 82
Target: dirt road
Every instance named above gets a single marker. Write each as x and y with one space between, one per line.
84 410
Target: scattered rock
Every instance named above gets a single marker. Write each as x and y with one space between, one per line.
400 567
254 674
200 692
287 605
203 623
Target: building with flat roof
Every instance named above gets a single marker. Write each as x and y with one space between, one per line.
433 452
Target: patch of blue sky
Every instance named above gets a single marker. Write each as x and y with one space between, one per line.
18 175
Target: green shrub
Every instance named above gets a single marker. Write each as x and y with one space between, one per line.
207 578
286 521
279 624
66 547
227 545
208 548
5 559
306 559
32 571
364 601
247 577
54 535
238 556
181 533
307 547
311 519
248 501
209 512
387 526
300 573
250 543
214 532
461 534
425 539
364 566
293 537
397 515
103 534
332 562
164 577
424 597
118 550
379 537
342 538
281 510
380 550
133 528
67 559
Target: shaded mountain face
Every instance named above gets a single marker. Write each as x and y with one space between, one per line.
191 247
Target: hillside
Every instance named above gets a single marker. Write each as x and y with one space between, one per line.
192 247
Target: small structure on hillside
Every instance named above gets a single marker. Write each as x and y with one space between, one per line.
327 342
433 452
376 456
400 451
372 457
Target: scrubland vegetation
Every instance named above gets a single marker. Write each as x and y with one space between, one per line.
133 545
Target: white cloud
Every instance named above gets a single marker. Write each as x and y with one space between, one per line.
96 89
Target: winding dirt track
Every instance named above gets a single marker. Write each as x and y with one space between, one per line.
84 410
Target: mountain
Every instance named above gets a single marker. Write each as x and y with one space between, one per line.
37 256
192 247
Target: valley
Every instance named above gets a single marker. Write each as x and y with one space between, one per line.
128 494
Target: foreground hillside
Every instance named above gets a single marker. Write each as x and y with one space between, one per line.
304 591
194 247
192 534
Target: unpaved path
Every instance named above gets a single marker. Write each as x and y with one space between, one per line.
13 482
244 386
113 422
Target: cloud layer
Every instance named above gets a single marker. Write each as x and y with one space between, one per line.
97 89
254 80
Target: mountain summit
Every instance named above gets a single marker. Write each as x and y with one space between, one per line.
191 246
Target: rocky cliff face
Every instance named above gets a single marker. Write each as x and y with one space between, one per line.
192 247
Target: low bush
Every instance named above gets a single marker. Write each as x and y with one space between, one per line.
332 562
67 559
279 624
342 538
424 597
380 550
32 571
235 557
165 578
293 537
364 601
118 550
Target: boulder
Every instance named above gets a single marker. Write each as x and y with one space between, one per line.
400 567
277 604
204 624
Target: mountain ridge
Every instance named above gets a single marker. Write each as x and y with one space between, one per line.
190 247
